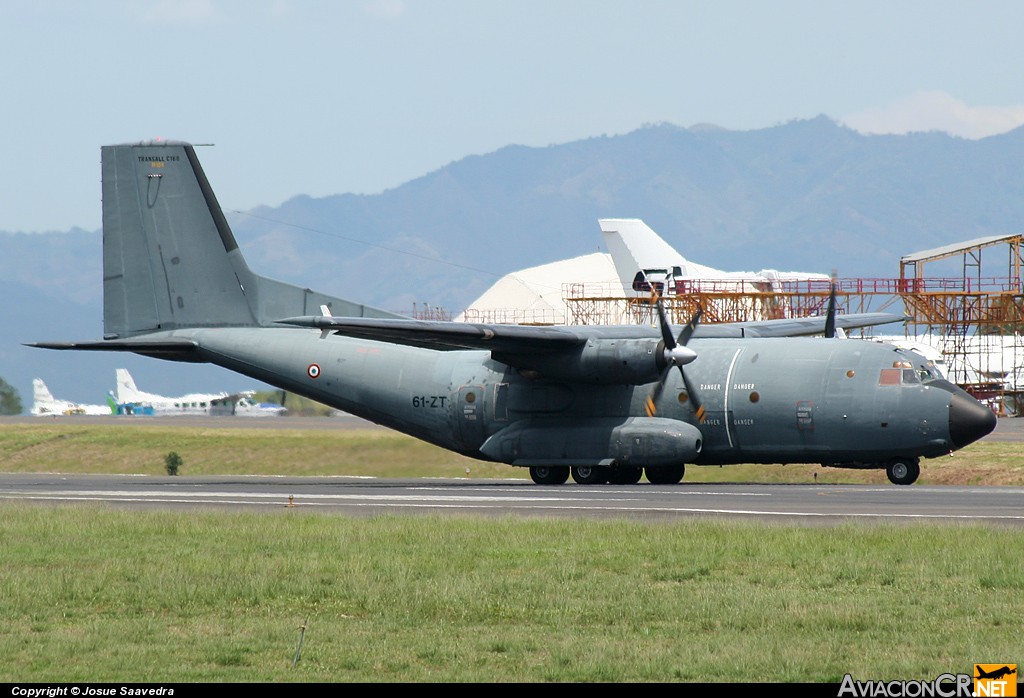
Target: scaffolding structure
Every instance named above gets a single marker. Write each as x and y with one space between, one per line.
724 300
976 319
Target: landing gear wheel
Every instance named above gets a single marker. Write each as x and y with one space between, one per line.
590 475
549 474
625 475
665 474
903 471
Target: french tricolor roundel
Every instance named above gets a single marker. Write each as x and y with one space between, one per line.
313 371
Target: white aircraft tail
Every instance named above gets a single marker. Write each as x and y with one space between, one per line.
642 258
126 390
41 395
45 404
636 251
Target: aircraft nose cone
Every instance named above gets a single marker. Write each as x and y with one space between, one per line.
969 420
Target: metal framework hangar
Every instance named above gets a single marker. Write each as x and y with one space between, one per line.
973 317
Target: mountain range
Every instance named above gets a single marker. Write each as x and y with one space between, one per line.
808 195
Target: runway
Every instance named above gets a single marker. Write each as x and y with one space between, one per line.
805 504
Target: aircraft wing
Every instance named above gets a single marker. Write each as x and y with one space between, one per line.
506 339
447 336
799 327
523 339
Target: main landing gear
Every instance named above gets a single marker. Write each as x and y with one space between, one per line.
599 475
549 474
666 474
590 475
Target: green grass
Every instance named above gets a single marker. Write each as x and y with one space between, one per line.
94 594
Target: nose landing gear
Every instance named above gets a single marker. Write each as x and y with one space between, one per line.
903 471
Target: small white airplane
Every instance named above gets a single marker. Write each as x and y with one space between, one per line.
132 401
44 404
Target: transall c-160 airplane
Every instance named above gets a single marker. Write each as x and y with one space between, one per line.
597 403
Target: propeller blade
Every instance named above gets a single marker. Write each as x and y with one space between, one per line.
650 406
698 408
675 354
666 330
687 332
830 315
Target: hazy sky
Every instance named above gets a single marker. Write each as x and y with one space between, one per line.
318 98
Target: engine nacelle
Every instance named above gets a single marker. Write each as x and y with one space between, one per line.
637 441
605 362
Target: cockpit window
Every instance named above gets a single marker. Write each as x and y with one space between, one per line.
890 376
899 376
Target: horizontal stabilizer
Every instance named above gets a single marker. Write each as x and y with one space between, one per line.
172 349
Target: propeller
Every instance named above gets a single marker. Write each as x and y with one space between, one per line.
675 353
830 314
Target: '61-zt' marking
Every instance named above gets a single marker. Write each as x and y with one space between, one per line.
435 401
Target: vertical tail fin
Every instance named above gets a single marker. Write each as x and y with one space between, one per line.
126 390
170 259
40 393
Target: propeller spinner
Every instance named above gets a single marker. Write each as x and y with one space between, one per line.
675 353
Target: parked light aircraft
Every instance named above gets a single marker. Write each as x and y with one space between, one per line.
44 404
598 403
131 400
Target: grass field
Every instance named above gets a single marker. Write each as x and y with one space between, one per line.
93 594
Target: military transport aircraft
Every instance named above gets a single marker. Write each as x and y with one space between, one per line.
599 403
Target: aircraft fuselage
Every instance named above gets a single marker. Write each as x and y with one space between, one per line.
776 400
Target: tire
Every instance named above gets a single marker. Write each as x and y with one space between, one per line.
902 471
549 474
590 475
666 474
625 475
